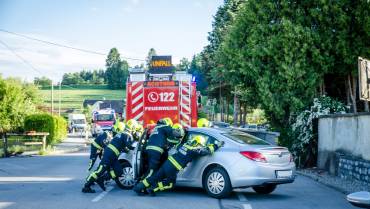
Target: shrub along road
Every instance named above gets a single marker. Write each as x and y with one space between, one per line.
54 182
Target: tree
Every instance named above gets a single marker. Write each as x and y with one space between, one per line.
17 100
148 59
42 81
117 70
183 65
282 54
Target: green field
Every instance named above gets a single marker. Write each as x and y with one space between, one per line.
73 98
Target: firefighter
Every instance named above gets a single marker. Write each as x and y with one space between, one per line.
202 122
161 139
165 177
115 126
97 146
121 142
138 132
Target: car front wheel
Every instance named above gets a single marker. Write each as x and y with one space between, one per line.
217 183
126 180
265 189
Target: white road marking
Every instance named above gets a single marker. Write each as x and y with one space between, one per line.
33 179
243 199
101 195
247 206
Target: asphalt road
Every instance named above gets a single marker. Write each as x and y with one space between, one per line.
54 182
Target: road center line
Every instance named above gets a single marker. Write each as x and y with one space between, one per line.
243 199
101 195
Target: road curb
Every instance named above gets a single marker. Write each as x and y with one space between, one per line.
56 152
320 180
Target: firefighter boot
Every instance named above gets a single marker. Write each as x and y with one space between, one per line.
87 188
139 188
151 191
100 182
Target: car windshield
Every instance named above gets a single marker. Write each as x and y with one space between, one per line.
79 121
105 117
245 139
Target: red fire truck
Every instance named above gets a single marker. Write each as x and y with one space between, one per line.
161 92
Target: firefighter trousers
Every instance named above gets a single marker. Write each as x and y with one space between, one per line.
109 163
163 179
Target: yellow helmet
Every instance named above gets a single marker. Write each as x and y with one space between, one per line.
120 127
139 128
168 121
131 124
198 140
203 123
179 127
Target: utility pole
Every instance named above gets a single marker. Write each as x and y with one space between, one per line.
52 97
60 88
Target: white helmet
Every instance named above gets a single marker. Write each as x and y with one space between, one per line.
98 130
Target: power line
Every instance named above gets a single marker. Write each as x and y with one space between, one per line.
63 45
21 58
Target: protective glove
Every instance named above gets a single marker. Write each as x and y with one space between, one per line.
220 144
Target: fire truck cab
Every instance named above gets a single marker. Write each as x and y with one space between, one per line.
161 92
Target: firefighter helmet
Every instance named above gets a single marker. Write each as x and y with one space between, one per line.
98 130
198 140
139 128
168 121
203 123
179 127
120 127
131 125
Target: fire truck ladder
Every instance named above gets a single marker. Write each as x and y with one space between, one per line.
185 103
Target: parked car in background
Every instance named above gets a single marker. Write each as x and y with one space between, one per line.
216 124
77 122
244 161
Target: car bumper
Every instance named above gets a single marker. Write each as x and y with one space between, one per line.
260 174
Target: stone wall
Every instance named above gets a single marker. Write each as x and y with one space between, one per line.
354 168
344 145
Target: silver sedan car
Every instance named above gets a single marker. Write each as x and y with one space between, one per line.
244 161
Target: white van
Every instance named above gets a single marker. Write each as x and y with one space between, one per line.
76 122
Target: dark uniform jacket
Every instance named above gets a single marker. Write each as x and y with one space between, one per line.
98 145
122 142
186 153
161 138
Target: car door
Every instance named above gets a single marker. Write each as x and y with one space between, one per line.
192 171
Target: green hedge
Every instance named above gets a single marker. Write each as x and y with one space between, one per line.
55 125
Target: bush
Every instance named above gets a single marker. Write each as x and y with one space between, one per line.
304 147
16 149
56 126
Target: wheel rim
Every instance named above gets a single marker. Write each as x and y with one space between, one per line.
216 183
127 178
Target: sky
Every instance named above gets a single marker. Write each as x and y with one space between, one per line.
172 27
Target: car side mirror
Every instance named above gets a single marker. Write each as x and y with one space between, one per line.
359 199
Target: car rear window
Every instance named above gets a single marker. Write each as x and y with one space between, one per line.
245 139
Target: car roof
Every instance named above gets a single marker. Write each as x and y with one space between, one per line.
221 131
209 130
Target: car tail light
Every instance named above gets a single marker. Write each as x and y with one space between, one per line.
255 156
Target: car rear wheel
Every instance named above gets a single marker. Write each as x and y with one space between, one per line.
265 189
217 183
126 180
